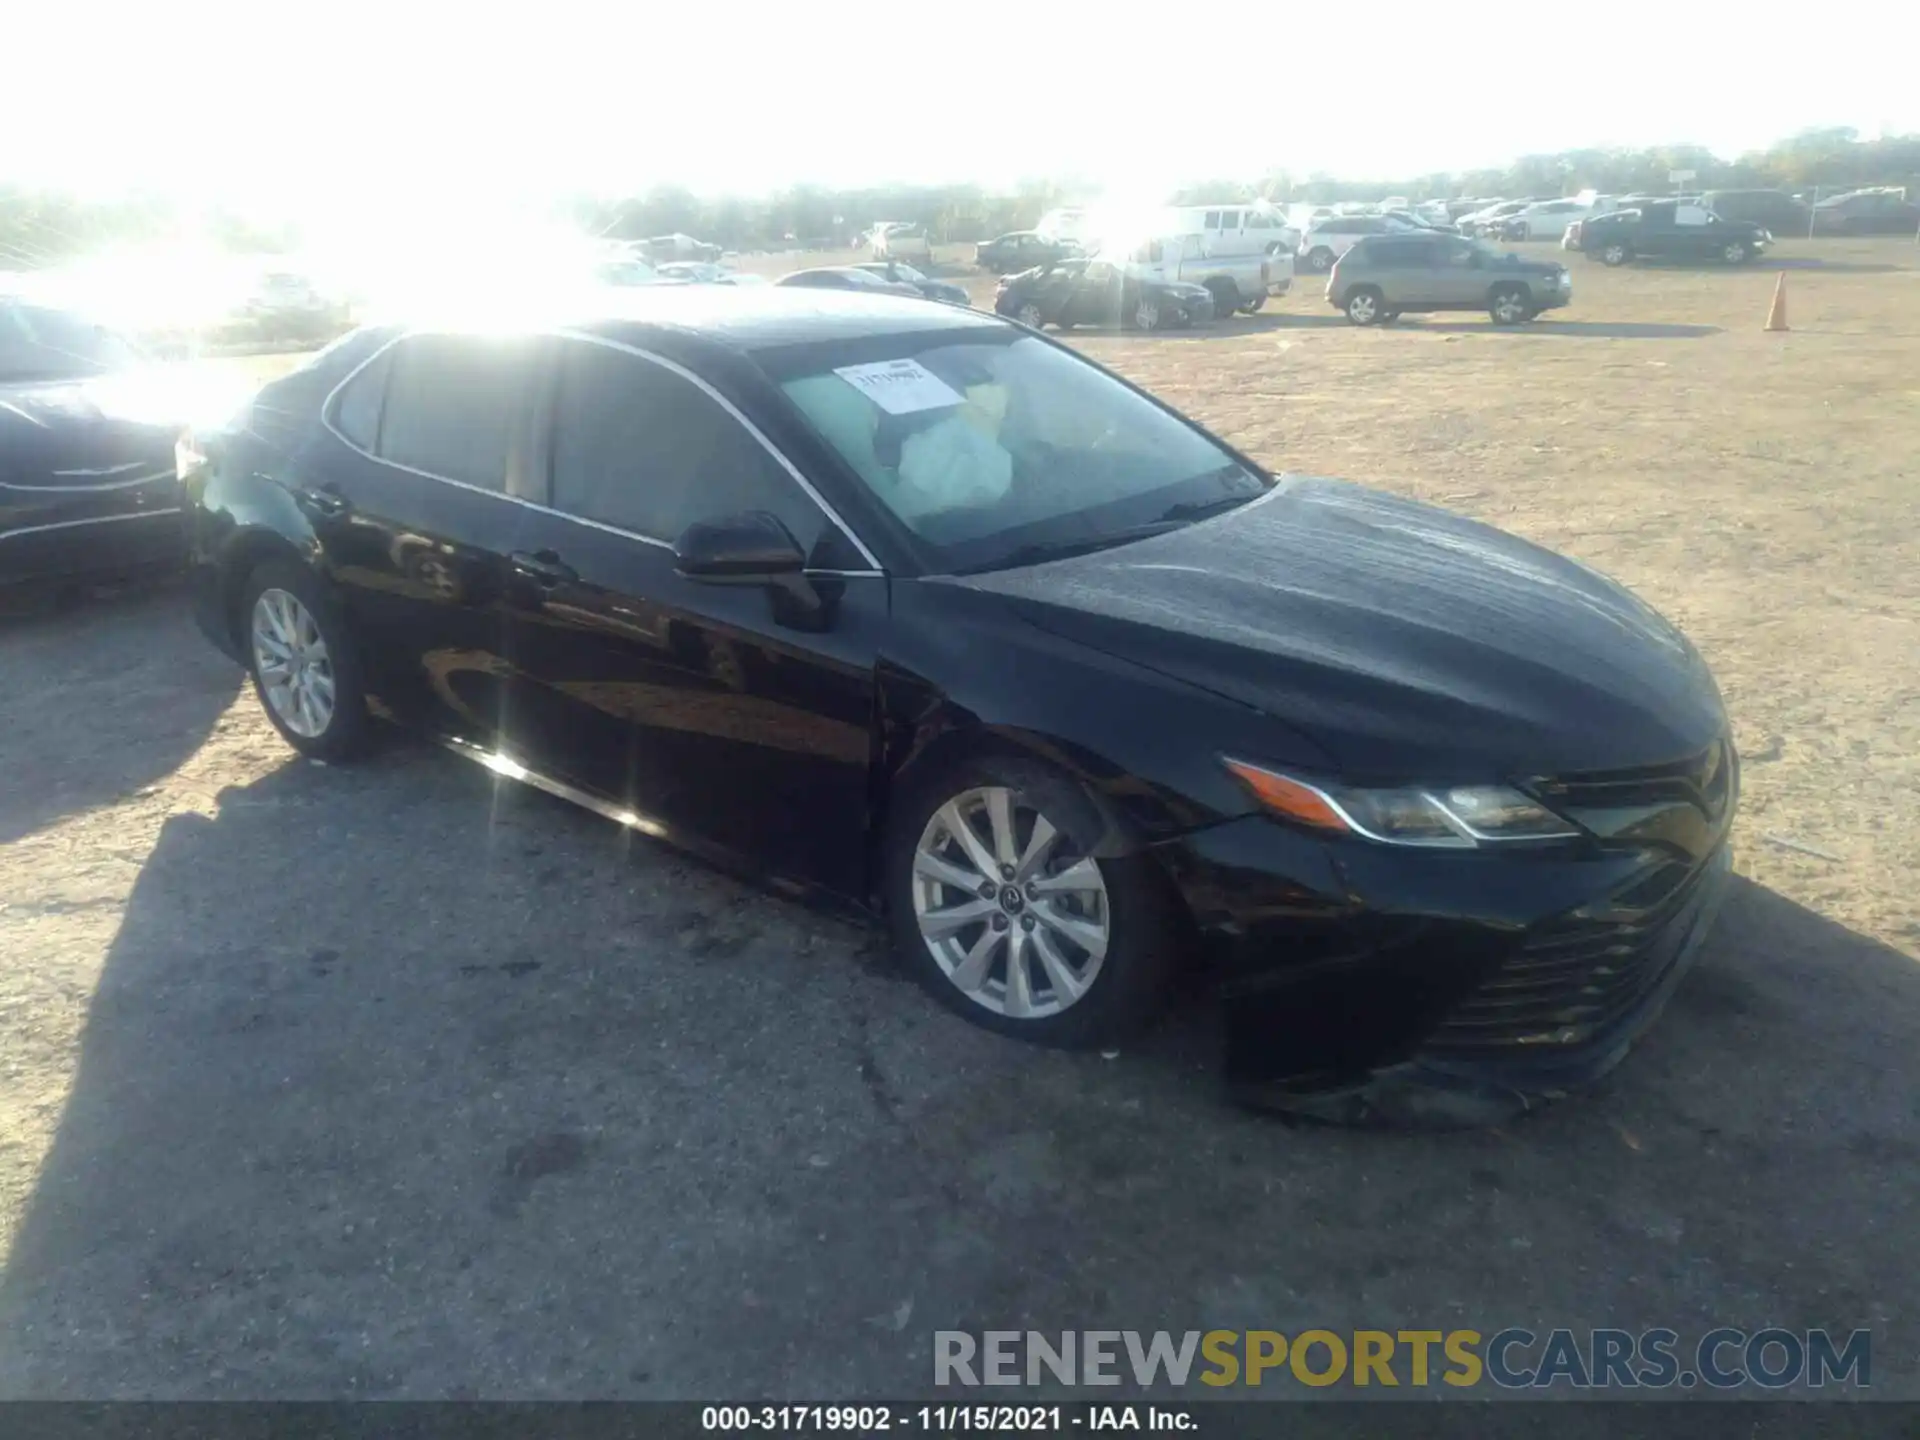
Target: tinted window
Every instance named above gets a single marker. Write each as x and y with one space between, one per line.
637 446
451 404
356 414
41 344
1397 252
1211 221
1658 214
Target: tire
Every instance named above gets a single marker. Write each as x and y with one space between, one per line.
1320 259
1618 253
1226 299
1738 253
1115 932
1387 317
1509 305
1146 313
1030 315
1253 306
285 614
1364 305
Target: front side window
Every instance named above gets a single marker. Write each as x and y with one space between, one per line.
992 446
642 448
451 404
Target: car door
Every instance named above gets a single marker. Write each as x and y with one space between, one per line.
1457 275
718 713
1053 291
417 498
1097 295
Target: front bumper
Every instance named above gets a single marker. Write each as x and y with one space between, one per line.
1370 983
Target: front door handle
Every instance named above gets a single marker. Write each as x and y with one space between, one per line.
543 567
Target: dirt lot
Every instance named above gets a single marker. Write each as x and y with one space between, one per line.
389 1081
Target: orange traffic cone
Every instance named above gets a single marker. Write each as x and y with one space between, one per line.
1777 312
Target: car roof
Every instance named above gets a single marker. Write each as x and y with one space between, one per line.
763 316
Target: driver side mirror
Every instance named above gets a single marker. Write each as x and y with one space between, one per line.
754 548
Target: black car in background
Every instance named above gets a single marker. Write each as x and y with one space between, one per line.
1096 292
1666 230
1021 250
87 472
846 277
1866 212
905 606
900 273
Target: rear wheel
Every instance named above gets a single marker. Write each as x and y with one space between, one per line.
1002 901
1364 305
1509 305
1320 259
304 665
1252 307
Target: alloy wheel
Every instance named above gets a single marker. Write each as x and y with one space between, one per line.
290 656
1012 911
1509 309
1029 316
1735 253
1363 309
1146 315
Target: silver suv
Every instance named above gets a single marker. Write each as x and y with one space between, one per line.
1386 276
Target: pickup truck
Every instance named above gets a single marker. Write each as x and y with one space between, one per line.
1664 229
1237 282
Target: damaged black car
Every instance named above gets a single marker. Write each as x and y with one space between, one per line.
917 611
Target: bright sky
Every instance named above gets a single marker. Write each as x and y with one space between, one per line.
294 106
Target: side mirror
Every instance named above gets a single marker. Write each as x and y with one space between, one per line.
752 548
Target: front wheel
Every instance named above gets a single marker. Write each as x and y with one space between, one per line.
1509 305
1226 299
1146 314
1004 900
1736 253
1029 315
304 665
1615 254
1253 306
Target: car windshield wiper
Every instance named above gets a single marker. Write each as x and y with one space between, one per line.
1041 551
1190 510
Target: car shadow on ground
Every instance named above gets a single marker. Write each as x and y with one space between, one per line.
130 692
1568 329
402 1081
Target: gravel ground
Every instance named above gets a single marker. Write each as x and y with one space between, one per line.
395 1080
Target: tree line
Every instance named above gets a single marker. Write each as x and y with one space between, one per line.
38 228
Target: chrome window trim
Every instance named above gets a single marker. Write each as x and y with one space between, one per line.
806 486
91 520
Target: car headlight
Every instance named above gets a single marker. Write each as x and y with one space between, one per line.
1456 817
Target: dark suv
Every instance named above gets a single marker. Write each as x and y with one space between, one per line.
1663 229
1385 276
1866 212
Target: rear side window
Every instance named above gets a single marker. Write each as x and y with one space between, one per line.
1396 252
642 448
356 414
451 404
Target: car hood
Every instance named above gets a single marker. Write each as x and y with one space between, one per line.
91 425
1400 640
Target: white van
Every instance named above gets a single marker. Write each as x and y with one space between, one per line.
1233 229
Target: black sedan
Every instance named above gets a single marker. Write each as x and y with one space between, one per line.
87 473
944 291
1095 292
1022 250
903 606
845 277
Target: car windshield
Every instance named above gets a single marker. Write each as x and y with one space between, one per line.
41 344
996 448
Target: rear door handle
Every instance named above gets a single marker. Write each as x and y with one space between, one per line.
324 502
543 567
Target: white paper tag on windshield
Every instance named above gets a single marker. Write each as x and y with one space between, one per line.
900 387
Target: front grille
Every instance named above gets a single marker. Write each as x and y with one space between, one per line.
1578 976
